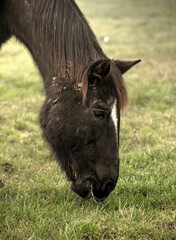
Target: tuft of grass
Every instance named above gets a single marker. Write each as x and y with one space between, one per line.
35 197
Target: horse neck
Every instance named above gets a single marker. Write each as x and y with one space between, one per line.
42 43
20 24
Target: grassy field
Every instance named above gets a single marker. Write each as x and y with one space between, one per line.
35 197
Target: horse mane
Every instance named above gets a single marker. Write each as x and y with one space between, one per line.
64 33
67 39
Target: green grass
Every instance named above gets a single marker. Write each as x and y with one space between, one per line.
36 201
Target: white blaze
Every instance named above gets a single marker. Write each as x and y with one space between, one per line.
114 117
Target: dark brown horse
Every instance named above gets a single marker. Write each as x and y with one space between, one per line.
84 89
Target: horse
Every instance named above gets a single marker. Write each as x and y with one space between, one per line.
84 90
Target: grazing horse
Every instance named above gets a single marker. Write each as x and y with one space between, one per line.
84 89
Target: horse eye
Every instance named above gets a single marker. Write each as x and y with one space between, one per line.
101 113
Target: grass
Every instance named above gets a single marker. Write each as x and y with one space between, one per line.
36 201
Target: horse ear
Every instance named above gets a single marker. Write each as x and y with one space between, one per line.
100 69
124 66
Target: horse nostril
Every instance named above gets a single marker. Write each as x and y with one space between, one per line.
101 191
108 186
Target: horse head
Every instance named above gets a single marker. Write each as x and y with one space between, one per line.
83 127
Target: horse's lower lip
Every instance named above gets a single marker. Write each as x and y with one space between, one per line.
84 197
82 192
88 196
99 199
